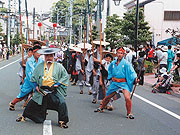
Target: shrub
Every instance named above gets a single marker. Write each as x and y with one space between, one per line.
148 66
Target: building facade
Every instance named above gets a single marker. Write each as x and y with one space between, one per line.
161 15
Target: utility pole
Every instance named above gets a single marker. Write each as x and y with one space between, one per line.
57 20
9 25
70 33
87 30
136 26
81 27
14 16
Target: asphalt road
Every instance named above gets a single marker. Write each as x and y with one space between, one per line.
149 120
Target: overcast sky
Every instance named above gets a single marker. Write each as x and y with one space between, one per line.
40 5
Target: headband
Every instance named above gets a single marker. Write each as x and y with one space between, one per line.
35 50
121 49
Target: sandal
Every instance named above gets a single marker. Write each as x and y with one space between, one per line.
130 116
63 124
110 108
154 90
11 106
94 101
99 110
81 92
89 92
20 118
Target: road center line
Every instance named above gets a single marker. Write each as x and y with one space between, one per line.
9 64
47 127
158 106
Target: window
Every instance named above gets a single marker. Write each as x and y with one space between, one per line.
171 15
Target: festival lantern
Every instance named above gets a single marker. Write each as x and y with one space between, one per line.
40 25
54 26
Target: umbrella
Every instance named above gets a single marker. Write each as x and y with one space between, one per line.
104 43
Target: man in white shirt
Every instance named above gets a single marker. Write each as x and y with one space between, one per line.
163 57
129 55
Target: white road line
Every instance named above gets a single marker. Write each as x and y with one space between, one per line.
158 106
47 128
9 64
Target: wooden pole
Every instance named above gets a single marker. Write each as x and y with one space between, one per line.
84 39
21 32
27 100
91 35
138 77
28 29
100 43
33 21
27 20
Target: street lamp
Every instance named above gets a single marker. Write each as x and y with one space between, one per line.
117 2
1 4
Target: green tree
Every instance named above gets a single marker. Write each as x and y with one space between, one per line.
128 28
17 39
94 33
3 10
78 9
113 31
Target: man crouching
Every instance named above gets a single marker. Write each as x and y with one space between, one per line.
122 77
50 80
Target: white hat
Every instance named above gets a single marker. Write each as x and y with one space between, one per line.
163 70
160 46
77 49
165 48
127 50
141 46
178 52
48 51
87 46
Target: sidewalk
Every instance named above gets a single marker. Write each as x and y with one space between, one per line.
149 79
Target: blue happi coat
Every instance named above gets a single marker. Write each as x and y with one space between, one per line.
123 70
28 86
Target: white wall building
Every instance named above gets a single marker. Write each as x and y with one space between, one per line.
161 15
